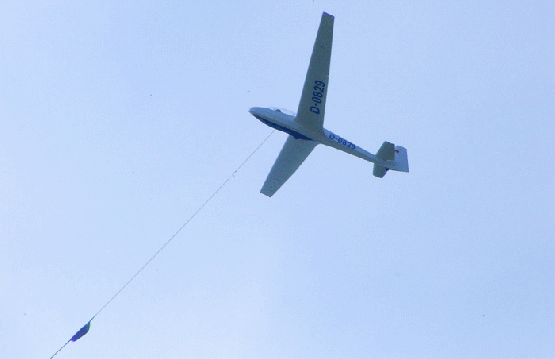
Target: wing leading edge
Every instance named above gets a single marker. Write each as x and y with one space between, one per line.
292 155
313 99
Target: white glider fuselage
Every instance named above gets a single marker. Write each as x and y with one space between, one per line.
281 121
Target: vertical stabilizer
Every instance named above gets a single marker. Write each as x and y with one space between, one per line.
401 163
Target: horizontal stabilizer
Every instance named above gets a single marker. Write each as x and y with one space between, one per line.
386 152
379 171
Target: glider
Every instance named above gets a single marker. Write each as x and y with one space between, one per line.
306 130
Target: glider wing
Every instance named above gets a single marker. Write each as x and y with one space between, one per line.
313 99
292 155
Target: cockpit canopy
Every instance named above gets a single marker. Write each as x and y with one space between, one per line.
285 111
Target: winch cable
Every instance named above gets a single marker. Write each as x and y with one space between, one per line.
85 329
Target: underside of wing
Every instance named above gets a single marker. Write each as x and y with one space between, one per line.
313 99
292 155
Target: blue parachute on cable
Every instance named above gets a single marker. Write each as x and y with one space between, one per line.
81 332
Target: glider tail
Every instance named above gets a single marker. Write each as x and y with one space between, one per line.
395 158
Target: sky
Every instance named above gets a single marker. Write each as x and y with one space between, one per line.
118 120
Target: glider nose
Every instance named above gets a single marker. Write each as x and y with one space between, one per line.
256 112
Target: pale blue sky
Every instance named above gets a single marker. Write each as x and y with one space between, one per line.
119 119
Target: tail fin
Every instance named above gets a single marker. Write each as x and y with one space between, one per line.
396 159
401 162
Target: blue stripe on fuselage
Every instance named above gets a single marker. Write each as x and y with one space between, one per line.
295 134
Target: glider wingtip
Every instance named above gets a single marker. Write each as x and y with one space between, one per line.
266 192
